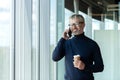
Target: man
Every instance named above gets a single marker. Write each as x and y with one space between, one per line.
88 51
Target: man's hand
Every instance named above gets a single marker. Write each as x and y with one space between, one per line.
79 64
65 34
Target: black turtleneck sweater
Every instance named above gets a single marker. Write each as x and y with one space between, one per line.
89 52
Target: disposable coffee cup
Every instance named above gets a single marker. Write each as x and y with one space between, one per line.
76 57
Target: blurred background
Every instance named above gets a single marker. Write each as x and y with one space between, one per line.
30 29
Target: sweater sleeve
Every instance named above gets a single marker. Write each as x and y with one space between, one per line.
59 50
97 65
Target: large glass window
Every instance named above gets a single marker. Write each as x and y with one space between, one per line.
5 39
40 40
118 26
68 13
109 24
52 38
35 39
95 26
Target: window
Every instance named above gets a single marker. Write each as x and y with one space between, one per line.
52 38
5 39
35 42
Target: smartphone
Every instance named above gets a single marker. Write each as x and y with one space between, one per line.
70 33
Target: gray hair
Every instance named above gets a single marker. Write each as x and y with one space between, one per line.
77 16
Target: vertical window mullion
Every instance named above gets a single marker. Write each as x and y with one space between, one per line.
23 39
12 45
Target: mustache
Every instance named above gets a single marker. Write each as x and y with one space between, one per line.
76 32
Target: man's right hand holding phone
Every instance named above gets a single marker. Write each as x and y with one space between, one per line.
67 34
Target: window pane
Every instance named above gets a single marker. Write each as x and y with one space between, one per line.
52 37
35 39
5 36
68 13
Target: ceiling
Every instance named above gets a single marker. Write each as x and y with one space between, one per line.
98 6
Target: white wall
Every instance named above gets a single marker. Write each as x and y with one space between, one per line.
109 41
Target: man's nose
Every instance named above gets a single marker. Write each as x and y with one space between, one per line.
74 26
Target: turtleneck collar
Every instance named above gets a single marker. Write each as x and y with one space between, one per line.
80 35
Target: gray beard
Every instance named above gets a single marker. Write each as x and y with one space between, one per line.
76 33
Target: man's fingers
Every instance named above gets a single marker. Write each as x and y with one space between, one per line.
75 64
79 64
65 34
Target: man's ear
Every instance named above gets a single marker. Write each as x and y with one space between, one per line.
83 25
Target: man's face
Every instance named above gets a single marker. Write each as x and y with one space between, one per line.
76 25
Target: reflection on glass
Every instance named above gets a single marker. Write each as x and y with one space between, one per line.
67 15
95 26
118 26
109 24
35 55
52 37
5 39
